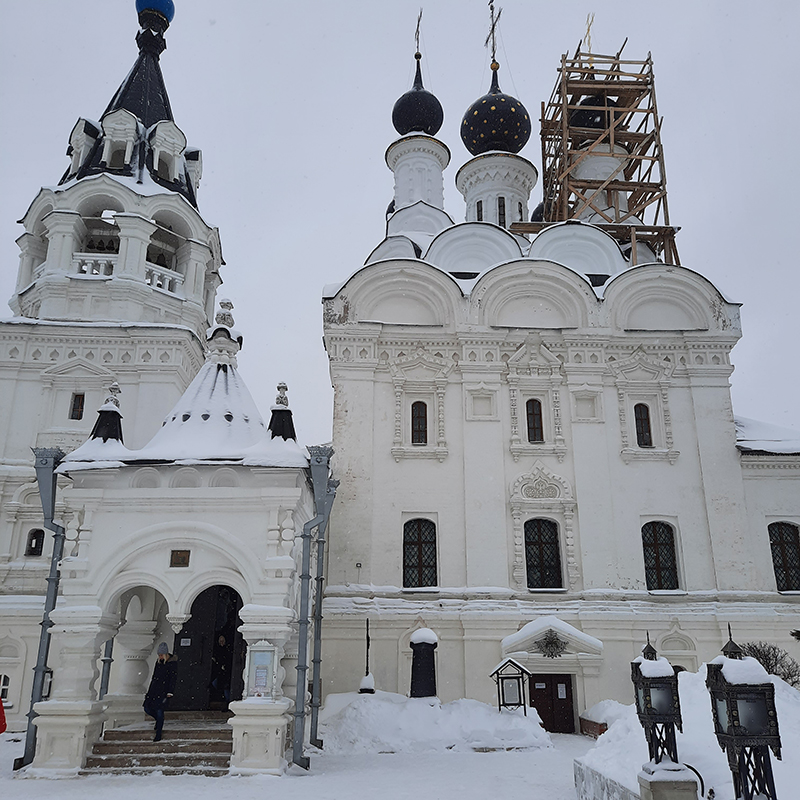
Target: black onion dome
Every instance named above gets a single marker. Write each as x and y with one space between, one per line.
495 121
417 109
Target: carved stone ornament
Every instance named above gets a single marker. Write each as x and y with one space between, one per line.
550 645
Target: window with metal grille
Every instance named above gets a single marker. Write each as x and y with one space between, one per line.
660 564
501 212
479 210
35 544
419 423
784 540
644 433
419 553
533 411
542 554
5 682
76 406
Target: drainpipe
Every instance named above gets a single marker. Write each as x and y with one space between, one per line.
106 673
47 459
320 471
316 658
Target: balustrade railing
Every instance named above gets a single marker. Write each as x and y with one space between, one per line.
162 278
93 264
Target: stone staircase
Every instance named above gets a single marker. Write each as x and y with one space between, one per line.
193 743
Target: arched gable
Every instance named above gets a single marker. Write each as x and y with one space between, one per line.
526 294
472 247
393 247
582 247
663 297
401 292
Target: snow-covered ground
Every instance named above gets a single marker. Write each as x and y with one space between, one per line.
544 772
621 751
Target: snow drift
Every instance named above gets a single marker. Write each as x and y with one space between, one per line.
391 723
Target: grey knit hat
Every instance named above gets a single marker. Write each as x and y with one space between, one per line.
162 649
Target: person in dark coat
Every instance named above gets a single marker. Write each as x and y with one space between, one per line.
162 685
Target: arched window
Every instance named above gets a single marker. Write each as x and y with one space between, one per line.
660 564
35 543
644 433
533 412
419 553
501 212
784 540
5 682
479 210
419 423
542 554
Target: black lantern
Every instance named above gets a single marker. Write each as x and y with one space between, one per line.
657 703
511 677
745 722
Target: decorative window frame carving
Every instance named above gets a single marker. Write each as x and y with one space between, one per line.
542 493
641 379
420 376
535 373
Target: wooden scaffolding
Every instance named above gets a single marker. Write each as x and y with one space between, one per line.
604 108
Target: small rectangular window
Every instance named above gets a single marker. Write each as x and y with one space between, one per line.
35 544
501 212
76 406
179 558
479 210
533 411
5 682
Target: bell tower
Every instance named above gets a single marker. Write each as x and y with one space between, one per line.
118 272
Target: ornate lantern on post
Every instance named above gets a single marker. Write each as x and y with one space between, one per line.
745 720
510 677
657 703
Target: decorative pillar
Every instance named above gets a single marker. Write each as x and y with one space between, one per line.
65 229
134 237
70 722
260 723
133 645
193 257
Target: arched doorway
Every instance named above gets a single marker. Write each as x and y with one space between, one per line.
210 653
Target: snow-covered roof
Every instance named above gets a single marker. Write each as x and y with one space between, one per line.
215 420
530 632
744 670
752 435
660 668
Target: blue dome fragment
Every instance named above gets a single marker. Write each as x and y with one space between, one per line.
164 7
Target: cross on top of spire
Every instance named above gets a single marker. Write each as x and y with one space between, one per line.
492 36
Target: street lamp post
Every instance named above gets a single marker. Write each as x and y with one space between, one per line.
658 705
745 720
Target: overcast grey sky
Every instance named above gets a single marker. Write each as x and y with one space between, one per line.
291 104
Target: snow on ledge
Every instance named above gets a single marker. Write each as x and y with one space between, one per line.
424 635
660 668
748 670
530 632
763 436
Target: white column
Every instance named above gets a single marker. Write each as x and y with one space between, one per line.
259 725
65 230
134 237
132 647
70 722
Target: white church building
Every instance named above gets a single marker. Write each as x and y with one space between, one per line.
533 430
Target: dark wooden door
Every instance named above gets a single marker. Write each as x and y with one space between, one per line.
551 695
211 653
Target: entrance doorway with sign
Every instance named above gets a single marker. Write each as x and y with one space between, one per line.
211 653
551 695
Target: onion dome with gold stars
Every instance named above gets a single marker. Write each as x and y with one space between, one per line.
418 109
495 121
